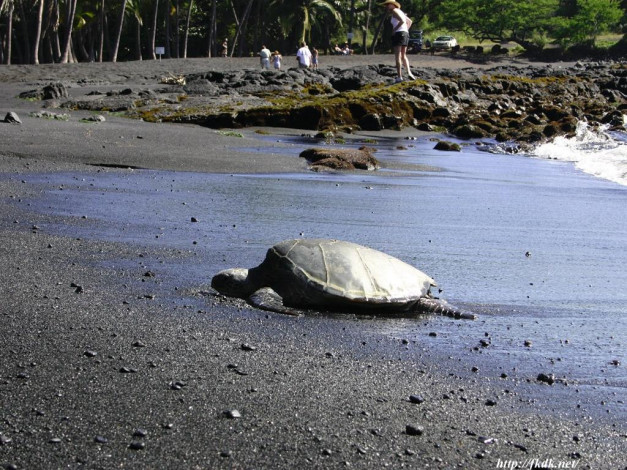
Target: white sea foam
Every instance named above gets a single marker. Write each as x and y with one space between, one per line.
594 151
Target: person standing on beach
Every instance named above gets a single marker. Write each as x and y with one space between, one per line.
303 56
400 37
276 60
314 58
225 47
264 56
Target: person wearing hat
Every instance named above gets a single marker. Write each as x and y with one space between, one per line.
400 37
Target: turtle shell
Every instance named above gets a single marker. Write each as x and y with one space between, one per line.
320 272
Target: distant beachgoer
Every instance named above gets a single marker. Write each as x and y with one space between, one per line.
346 50
314 58
276 60
264 57
303 56
337 50
400 38
225 48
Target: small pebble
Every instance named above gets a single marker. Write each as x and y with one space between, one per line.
414 430
546 378
418 399
136 445
177 385
232 414
139 432
490 402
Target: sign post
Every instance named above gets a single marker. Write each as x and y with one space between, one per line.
159 50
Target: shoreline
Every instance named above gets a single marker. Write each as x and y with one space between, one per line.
109 367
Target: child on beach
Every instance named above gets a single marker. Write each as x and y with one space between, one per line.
314 58
276 60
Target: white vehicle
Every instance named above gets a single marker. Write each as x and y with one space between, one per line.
444 42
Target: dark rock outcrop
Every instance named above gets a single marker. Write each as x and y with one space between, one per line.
340 159
508 103
49 92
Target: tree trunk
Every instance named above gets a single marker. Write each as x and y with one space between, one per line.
101 31
376 34
138 38
364 44
154 30
67 41
189 17
212 50
168 49
118 35
177 35
40 19
56 41
25 36
241 26
7 59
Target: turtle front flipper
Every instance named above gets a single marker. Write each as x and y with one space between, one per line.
266 298
440 307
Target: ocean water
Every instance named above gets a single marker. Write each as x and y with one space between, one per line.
595 151
535 244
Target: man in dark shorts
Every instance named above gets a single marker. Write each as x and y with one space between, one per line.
400 37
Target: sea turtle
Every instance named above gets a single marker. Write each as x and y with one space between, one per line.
336 275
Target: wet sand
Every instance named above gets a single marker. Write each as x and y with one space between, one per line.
108 362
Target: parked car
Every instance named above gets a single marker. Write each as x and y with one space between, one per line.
444 42
415 42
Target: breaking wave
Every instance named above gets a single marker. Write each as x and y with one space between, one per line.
593 150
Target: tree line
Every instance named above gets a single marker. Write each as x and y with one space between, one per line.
62 31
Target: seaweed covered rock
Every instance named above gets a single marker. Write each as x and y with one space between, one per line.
340 159
446 146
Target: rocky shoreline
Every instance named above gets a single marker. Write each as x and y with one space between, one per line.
508 103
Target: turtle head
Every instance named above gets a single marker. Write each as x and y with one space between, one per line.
233 282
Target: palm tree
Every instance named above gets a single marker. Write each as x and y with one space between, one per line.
118 35
40 18
69 24
302 15
8 5
241 25
153 38
189 17
133 7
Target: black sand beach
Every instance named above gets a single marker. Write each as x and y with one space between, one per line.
114 359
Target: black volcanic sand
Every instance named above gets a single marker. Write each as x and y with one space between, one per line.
106 366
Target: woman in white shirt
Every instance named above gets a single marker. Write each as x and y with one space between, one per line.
400 37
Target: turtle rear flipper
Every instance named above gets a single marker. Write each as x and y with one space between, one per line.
266 298
440 307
